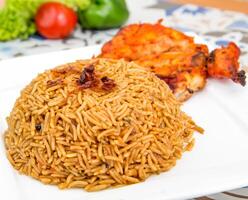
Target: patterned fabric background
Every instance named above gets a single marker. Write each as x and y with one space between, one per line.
214 26
226 26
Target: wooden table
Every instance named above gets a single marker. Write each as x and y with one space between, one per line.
234 5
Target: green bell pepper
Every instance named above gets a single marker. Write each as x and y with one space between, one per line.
104 14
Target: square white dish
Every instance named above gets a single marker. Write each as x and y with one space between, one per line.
217 162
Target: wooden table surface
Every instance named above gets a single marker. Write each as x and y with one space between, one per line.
234 5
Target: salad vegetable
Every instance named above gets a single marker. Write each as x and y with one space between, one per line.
103 14
17 16
55 20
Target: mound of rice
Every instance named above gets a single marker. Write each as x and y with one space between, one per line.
64 133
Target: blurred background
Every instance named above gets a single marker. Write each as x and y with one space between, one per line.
33 26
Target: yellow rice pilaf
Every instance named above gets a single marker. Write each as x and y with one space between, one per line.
94 139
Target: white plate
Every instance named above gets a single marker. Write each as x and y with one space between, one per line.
218 161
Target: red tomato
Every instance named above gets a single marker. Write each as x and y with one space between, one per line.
55 20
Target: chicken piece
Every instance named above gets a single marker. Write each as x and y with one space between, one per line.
170 54
223 63
138 40
185 76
